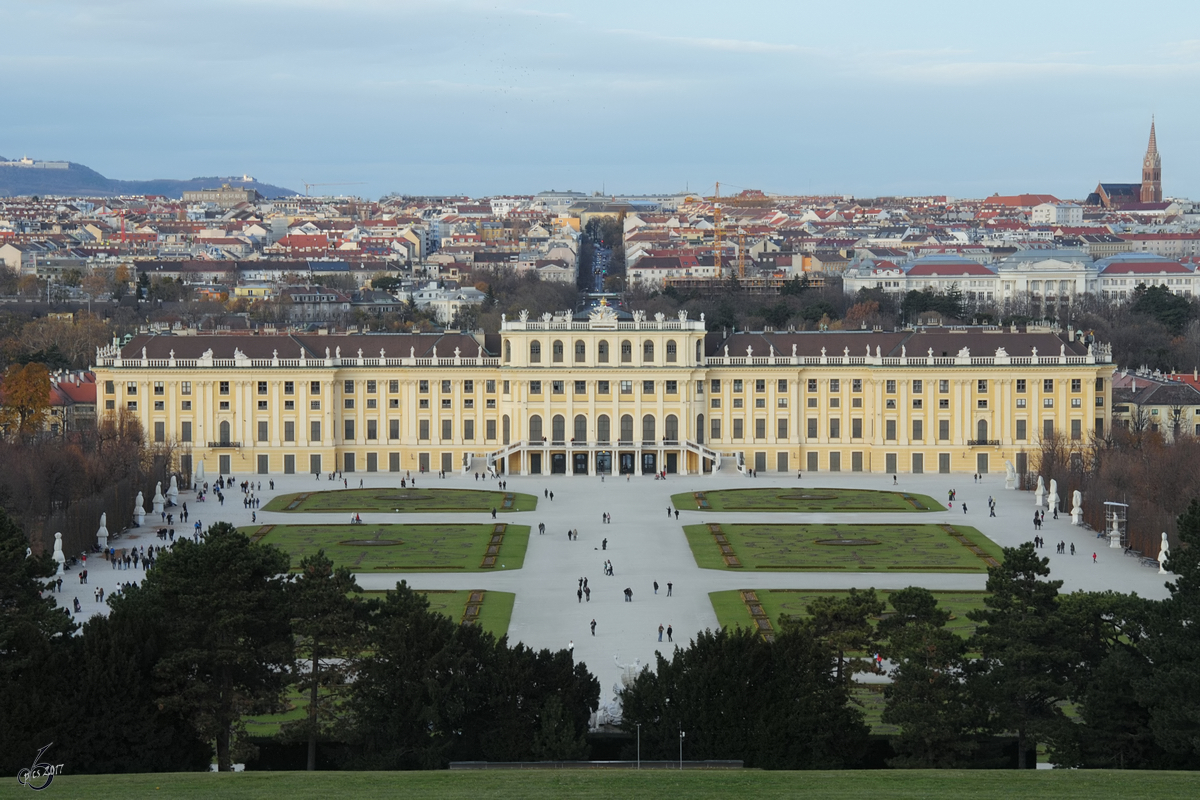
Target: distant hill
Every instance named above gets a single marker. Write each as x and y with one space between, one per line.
78 180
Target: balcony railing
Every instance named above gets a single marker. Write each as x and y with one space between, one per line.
983 442
225 444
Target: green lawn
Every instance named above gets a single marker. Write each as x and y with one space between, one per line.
806 499
394 499
732 611
853 547
583 784
402 548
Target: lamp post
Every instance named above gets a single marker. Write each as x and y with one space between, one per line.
639 745
681 735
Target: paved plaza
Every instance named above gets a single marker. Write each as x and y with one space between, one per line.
645 545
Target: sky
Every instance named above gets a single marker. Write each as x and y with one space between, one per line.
483 98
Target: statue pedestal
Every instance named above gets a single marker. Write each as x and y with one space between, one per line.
1009 483
1114 540
1077 517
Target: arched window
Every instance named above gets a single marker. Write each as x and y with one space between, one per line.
603 429
602 352
506 426
648 351
225 432
981 430
700 429
557 350
626 352
535 352
580 428
558 429
626 428
648 429
671 428
671 352
580 352
699 351
507 352
535 428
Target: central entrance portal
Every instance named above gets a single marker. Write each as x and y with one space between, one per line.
627 464
604 463
579 463
558 463
649 463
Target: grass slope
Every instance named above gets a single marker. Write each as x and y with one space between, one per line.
393 499
585 784
422 548
806 499
850 547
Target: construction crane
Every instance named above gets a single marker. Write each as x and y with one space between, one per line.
717 231
308 186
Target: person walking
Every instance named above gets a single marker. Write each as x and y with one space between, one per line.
669 585
587 594
1093 558
964 506
552 497
669 630
579 594
493 513
604 544
656 587
660 631
668 512
593 627
1072 548
677 514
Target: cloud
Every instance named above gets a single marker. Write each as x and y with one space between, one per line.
727 45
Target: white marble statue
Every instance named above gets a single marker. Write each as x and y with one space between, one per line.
102 534
59 556
1114 535
159 501
139 511
1010 475
1039 494
1053 500
1164 552
173 492
1076 508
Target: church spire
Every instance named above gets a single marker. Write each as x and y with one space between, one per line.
1152 170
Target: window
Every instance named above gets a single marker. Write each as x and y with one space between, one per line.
889 404
349 430
737 402
760 385
1048 384
262 405
647 387
889 430
943 430
447 403
918 402
489 430
626 387
1099 402
222 387
1020 386
781 385
602 387
760 402
372 403
812 402
918 387
1076 385
856 428
760 429
160 431
981 403
715 386
835 402
812 427
314 387
716 402
1020 402
349 402
835 428
289 431
1076 402
715 429
160 405
535 387
557 387
489 387
981 385
835 385
890 387
580 387
347 387
507 352
672 387
648 351
131 388
918 428
423 430
944 402
944 387
185 387
535 352
602 352
1047 402
289 387
856 385
110 387
856 402
446 387
158 388
738 428
556 351
781 402
737 385
315 405
468 430
314 430
447 430
1099 384
262 387
781 428
372 429
506 388
186 405
626 352
185 431
671 351
1022 433
812 384
1048 429
263 430
223 406
393 386
393 429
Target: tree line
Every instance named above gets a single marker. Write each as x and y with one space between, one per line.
1099 679
220 630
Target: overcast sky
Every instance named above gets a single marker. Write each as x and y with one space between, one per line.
450 96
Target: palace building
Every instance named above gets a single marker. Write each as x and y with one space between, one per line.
610 392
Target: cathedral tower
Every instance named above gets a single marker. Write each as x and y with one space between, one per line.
1152 172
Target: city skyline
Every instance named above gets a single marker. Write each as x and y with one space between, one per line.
514 98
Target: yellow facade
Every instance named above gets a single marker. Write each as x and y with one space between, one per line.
608 392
